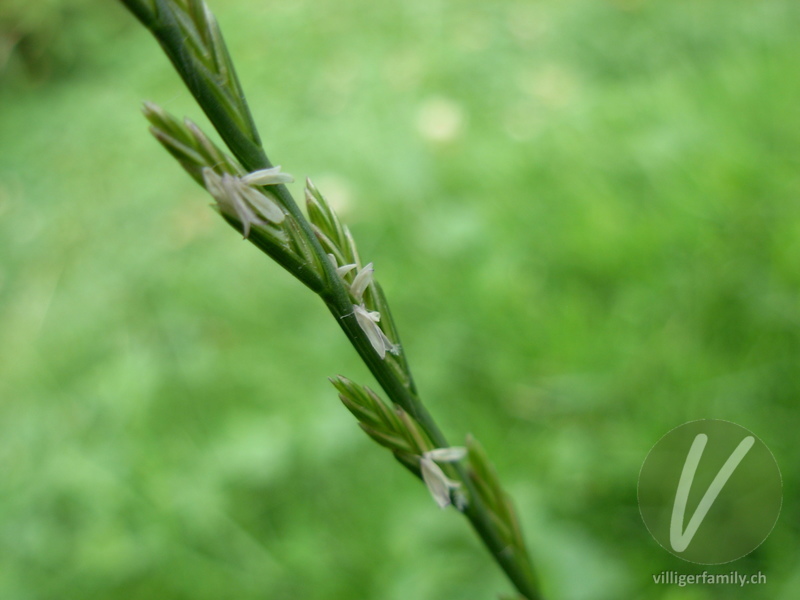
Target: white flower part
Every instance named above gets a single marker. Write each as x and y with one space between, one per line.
361 282
271 176
368 321
344 269
228 199
237 200
439 484
453 454
265 206
213 183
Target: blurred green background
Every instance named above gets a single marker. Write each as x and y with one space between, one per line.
586 215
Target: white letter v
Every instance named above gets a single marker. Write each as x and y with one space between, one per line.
680 540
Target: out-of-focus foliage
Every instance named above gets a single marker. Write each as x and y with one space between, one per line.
42 40
586 216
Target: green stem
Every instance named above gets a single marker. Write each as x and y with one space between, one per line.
162 23
338 302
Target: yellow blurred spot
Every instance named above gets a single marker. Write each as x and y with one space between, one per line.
440 120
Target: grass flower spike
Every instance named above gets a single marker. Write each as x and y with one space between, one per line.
317 249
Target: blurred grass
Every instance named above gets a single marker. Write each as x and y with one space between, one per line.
585 215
